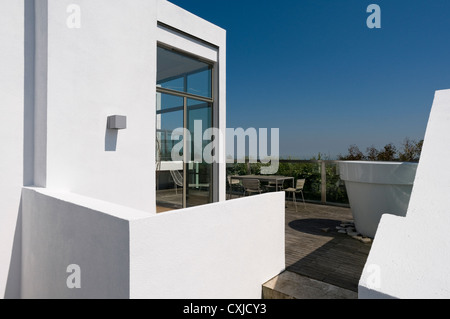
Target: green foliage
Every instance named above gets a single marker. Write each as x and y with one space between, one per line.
308 171
311 172
237 169
388 153
409 152
372 153
336 191
354 154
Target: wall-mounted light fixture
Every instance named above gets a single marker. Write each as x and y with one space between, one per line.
117 122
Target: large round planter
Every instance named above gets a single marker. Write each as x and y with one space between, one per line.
377 188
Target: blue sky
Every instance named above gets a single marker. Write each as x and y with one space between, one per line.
315 70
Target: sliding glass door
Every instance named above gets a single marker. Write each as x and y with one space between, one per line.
199 171
169 172
184 112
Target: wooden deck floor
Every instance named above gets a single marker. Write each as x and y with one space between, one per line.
315 249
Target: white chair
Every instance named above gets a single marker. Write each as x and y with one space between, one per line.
251 186
177 179
298 189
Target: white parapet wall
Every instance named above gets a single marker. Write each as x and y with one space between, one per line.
12 100
410 255
60 230
222 250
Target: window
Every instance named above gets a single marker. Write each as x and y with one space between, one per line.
181 73
184 101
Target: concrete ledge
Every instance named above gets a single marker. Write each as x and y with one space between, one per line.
289 285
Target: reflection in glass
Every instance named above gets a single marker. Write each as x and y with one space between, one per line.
188 181
169 186
199 171
183 73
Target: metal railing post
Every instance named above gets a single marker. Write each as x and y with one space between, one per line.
323 181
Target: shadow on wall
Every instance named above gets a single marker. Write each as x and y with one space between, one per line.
13 283
29 92
111 139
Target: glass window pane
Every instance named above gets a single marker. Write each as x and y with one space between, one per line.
176 84
183 73
199 113
199 171
200 83
169 173
166 102
169 116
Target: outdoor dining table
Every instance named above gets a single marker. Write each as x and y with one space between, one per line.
266 178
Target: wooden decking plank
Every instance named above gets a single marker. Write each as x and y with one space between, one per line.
315 249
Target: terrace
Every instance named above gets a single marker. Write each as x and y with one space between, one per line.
141 210
320 261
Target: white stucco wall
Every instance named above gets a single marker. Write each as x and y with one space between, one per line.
11 139
106 67
222 250
65 229
409 257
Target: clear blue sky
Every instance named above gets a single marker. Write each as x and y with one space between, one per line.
313 69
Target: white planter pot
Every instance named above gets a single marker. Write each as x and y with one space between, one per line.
377 188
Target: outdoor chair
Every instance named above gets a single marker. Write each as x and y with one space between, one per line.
179 182
298 189
273 185
251 186
232 182
177 179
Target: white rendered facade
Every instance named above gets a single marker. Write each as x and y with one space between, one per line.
86 185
